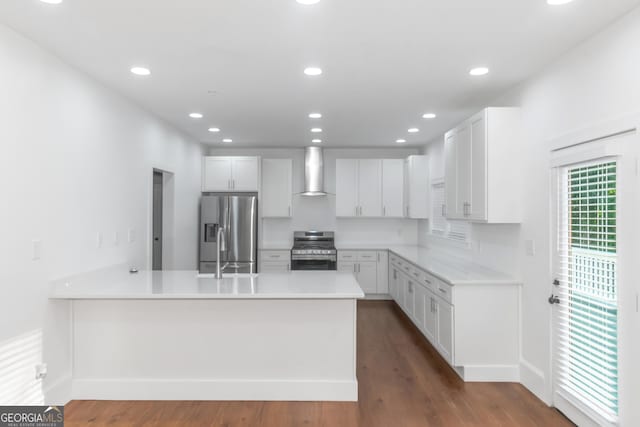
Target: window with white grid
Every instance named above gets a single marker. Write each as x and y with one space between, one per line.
587 320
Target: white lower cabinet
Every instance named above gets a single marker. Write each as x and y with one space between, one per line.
273 261
369 267
444 329
474 327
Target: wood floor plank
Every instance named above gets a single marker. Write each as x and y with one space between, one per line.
403 382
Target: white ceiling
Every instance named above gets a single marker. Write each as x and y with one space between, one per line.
240 62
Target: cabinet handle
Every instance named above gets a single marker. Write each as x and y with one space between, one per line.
395 274
444 210
384 211
288 266
378 256
229 184
416 274
354 268
289 210
233 181
358 268
410 287
274 256
442 290
427 281
356 211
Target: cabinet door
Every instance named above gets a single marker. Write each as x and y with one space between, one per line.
276 187
463 171
217 174
347 267
383 272
450 174
392 188
478 198
394 289
409 296
418 187
274 267
430 319
346 187
368 276
370 187
244 174
445 330
420 295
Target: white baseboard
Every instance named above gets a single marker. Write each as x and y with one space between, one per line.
169 389
491 373
58 392
534 380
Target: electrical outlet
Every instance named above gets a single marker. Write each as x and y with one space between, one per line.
131 235
99 240
41 371
36 250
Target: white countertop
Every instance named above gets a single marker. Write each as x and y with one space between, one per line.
118 283
453 270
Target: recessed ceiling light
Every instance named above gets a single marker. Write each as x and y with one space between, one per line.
316 130
479 71
558 2
413 130
428 116
196 115
316 141
313 71
140 71
315 116
400 141
227 140
308 1
214 129
51 1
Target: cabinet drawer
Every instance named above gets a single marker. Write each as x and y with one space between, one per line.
275 255
443 290
368 256
347 255
429 281
274 267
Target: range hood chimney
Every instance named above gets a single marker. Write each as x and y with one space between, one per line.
313 172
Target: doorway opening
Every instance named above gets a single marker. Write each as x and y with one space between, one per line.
162 220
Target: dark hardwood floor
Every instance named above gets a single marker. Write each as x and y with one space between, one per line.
402 382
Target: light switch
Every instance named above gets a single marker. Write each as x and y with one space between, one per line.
530 247
36 250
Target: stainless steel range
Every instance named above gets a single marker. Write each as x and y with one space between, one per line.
313 250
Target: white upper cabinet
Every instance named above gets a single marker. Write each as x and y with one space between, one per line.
482 173
392 188
358 188
370 187
347 187
244 173
416 187
277 188
230 174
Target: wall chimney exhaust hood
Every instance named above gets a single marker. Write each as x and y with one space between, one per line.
313 172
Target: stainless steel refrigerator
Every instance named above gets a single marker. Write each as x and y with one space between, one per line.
237 214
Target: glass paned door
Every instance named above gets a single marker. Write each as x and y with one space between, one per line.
585 293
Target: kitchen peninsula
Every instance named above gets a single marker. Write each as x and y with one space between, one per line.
178 335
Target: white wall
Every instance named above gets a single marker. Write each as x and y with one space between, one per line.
75 159
595 82
318 213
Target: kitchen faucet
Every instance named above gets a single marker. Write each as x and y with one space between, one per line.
220 246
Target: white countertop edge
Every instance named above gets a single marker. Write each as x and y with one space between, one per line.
505 280
183 297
